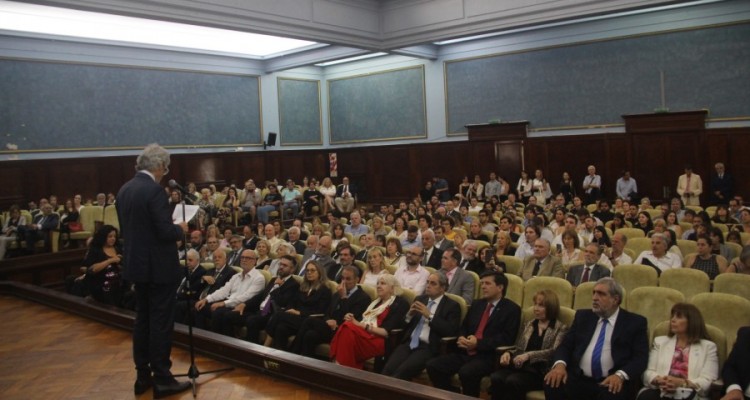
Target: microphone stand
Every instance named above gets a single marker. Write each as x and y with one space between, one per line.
193 372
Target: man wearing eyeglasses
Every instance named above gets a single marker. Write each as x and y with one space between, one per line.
412 275
238 290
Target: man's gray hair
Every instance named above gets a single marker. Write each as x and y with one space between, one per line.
193 253
293 228
614 288
667 240
153 157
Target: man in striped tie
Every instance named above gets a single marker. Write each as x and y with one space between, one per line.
605 351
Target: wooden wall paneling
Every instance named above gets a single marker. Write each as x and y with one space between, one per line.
738 148
508 160
13 179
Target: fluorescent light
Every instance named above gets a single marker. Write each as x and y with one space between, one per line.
44 20
576 21
350 59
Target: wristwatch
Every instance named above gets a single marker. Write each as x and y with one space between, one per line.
621 375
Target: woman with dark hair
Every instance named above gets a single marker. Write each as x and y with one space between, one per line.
741 264
102 261
464 187
705 261
716 242
357 341
644 222
684 361
567 187
393 252
570 252
744 225
312 198
601 237
522 368
313 298
524 187
69 214
722 215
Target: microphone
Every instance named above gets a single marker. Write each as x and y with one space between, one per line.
174 185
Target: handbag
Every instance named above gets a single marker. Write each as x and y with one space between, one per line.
75 226
681 393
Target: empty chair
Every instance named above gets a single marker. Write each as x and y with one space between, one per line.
632 276
562 288
88 217
654 303
687 281
734 248
638 245
513 264
515 289
632 233
737 284
583 295
727 312
687 246
110 217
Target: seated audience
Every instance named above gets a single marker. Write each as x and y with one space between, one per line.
736 371
38 229
432 317
682 362
490 322
541 263
741 264
349 298
705 261
356 341
658 257
375 268
413 276
522 367
313 297
10 227
103 274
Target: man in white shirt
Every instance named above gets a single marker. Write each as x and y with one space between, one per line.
617 255
289 198
413 276
592 185
659 257
626 187
240 288
493 187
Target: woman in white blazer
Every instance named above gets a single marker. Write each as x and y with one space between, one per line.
683 360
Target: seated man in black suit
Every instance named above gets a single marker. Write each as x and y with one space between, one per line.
736 372
348 299
255 312
491 322
39 229
432 255
293 237
605 351
346 258
345 195
187 295
590 271
432 317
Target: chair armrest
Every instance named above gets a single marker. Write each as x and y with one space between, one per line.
448 344
316 315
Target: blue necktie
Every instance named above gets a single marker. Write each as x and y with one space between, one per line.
418 330
596 357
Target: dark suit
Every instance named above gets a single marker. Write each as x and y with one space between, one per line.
31 236
501 330
406 363
575 273
444 244
462 284
629 348
299 246
233 258
315 331
362 255
150 261
736 369
252 317
334 271
725 186
250 243
186 299
220 279
434 260
281 326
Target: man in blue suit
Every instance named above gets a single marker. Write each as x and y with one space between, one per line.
151 263
605 350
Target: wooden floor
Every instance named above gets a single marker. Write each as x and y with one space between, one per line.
48 354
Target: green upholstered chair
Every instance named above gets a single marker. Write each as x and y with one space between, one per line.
686 280
654 303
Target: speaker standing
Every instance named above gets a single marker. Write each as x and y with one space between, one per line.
151 263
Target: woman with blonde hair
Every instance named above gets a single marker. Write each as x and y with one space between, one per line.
375 267
357 341
328 190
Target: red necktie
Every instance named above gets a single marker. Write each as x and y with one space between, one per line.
482 324
585 275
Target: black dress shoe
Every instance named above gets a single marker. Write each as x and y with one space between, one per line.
142 385
168 389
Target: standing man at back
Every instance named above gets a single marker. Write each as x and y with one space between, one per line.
150 261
